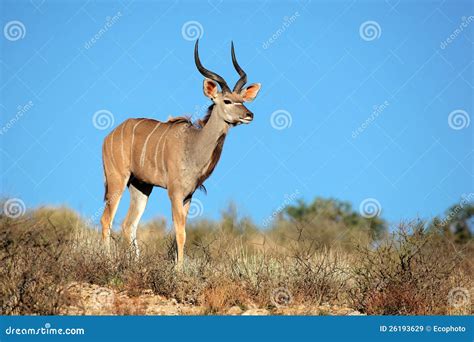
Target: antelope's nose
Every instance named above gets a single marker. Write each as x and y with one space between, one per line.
249 116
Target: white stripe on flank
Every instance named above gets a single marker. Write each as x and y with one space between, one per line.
163 157
112 149
121 139
142 157
156 150
110 155
133 135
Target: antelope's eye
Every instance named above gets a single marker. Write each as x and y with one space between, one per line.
227 101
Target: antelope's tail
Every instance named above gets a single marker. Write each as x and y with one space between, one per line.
105 174
105 192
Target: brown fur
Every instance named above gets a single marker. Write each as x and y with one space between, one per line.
216 154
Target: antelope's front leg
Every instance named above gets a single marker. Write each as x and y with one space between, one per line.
180 211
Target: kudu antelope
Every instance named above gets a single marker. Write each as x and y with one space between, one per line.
176 155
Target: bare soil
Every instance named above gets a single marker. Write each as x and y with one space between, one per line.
90 299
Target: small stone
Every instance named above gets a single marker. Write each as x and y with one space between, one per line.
256 312
233 311
192 310
356 313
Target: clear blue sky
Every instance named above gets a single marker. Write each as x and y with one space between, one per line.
315 61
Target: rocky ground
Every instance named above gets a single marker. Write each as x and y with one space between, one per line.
91 299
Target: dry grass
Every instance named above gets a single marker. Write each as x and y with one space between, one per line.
228 264
409 273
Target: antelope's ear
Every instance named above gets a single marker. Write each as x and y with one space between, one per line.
250 93
210 88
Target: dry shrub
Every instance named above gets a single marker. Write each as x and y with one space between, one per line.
163 279
128 307
320 276
222 294
410 273
32 273
396 299
258 272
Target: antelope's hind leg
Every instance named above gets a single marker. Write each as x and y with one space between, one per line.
139 194
114 190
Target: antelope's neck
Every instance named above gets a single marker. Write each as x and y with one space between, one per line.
208 145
